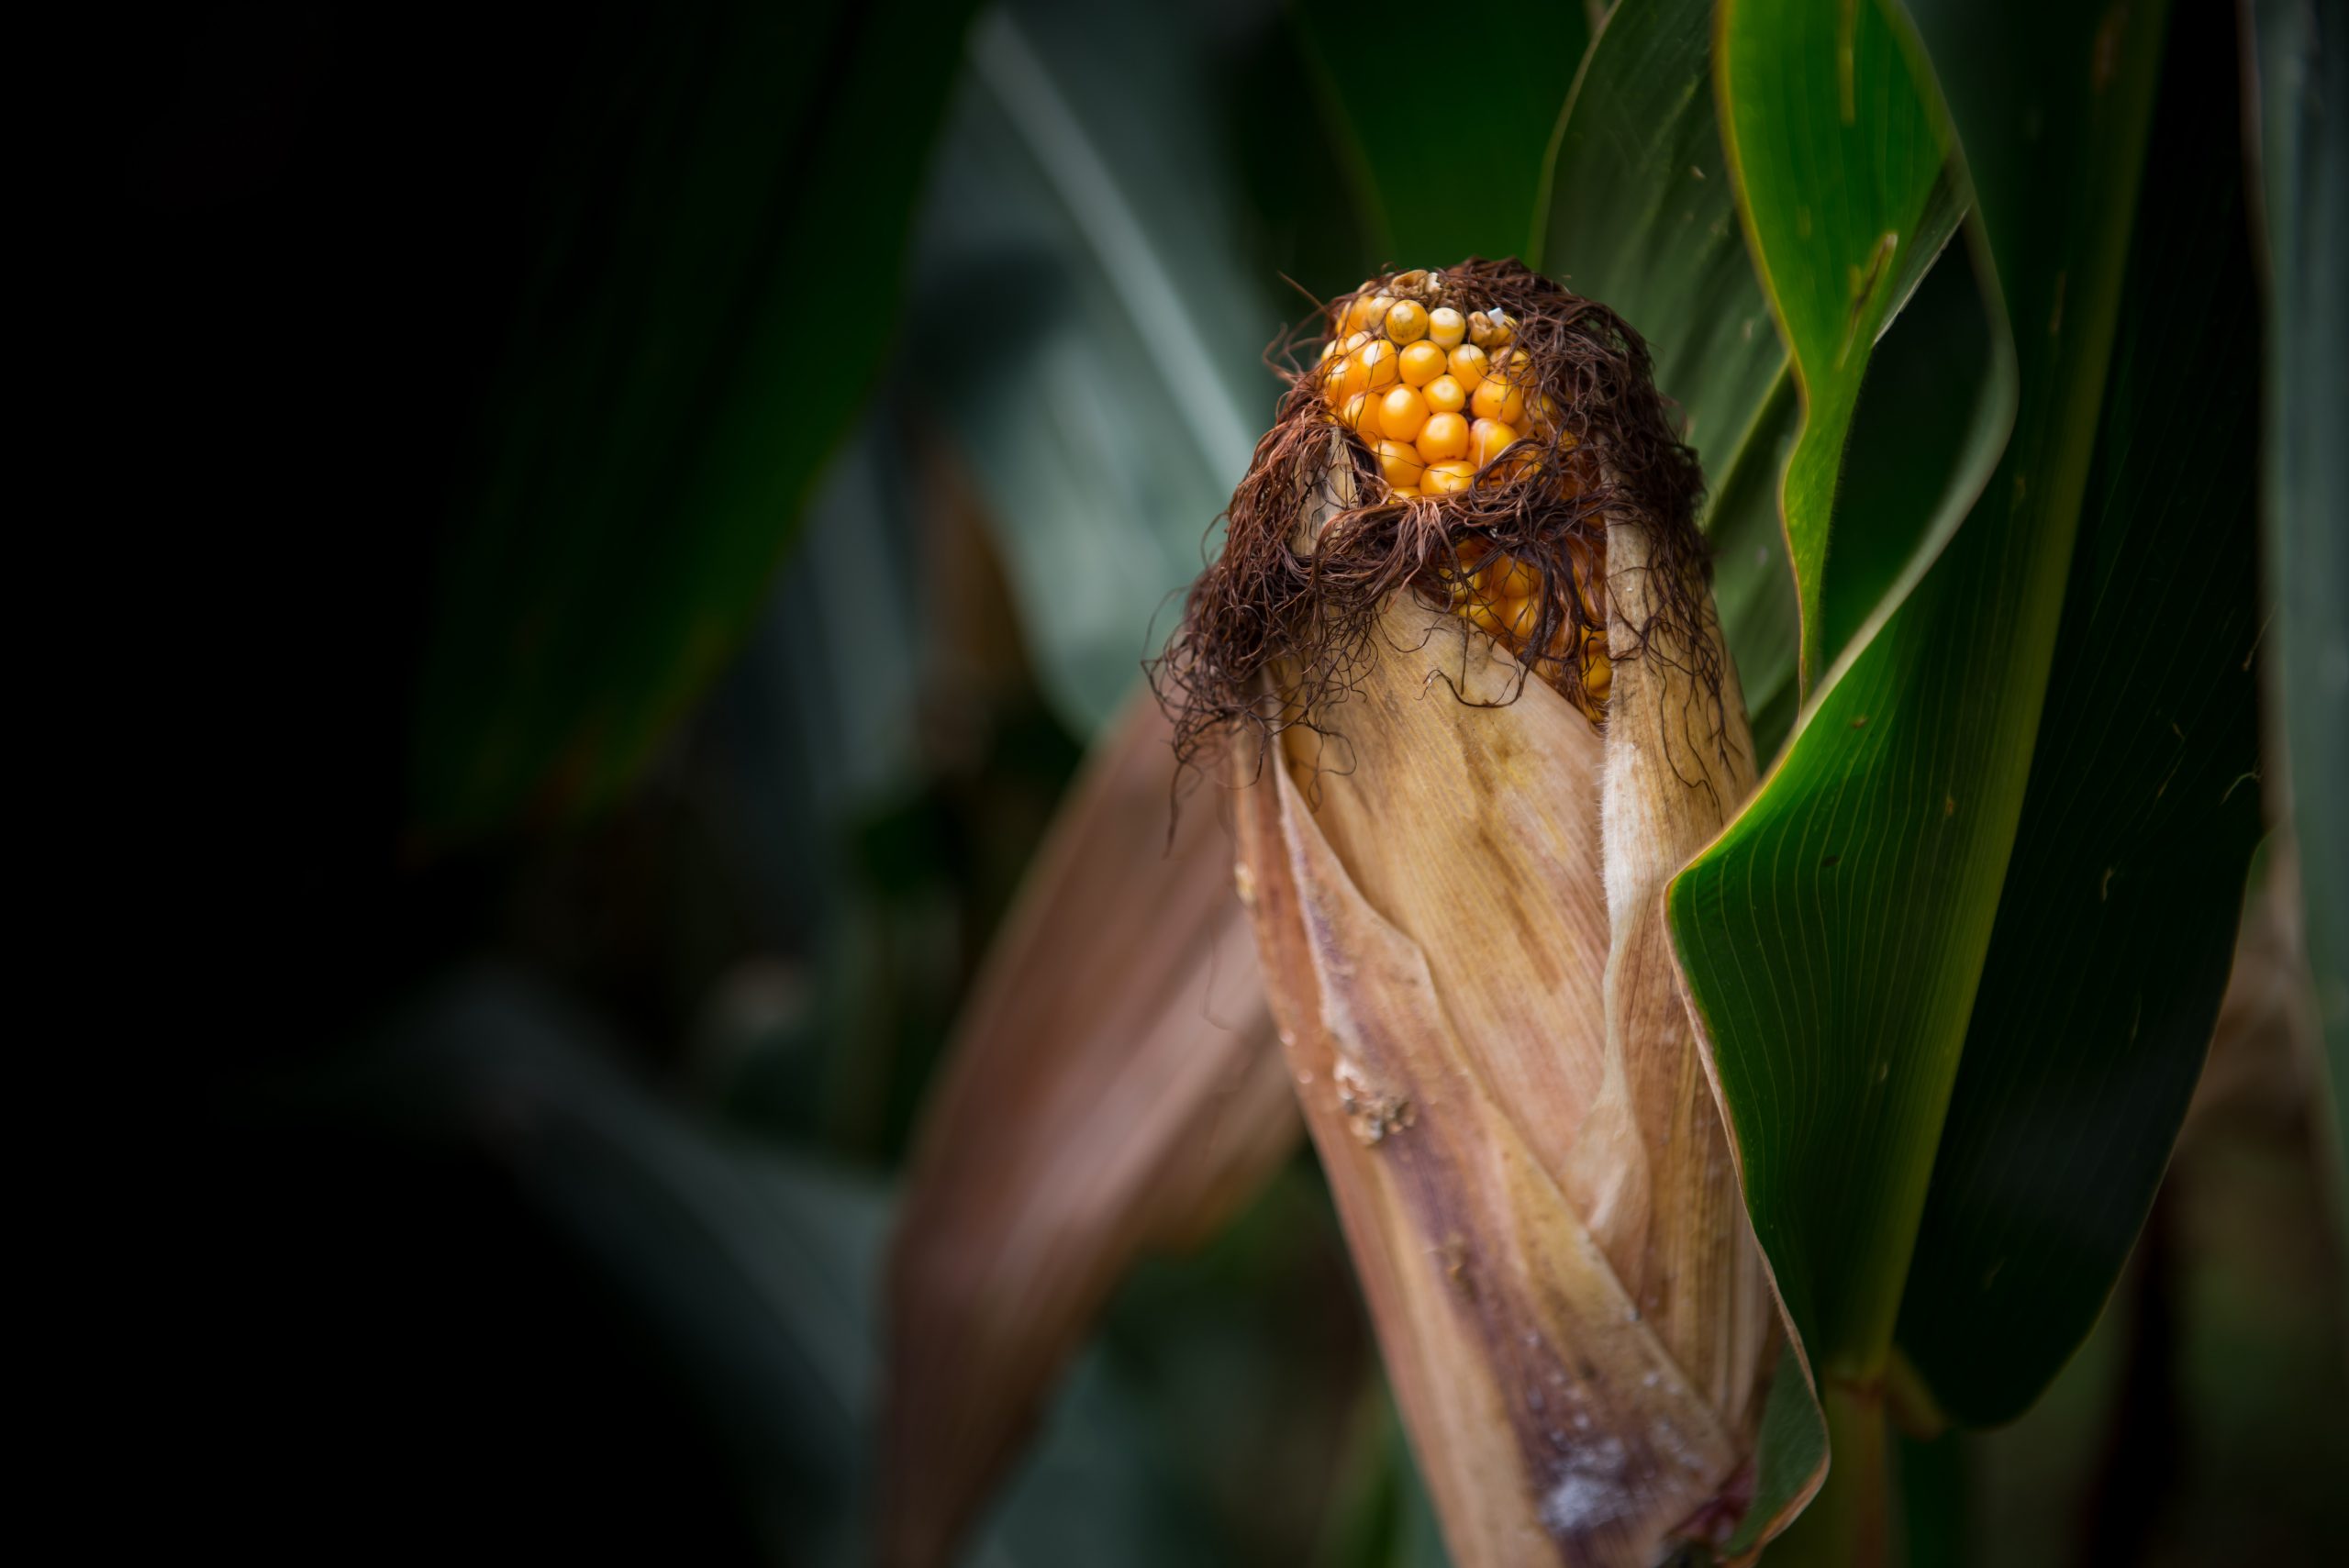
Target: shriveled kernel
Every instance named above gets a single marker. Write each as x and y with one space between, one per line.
1488 437
1468 365
1490 330
1448 478
1406 322
1401 413
1446 328
1420 363
1445 394
1399 463
1444 437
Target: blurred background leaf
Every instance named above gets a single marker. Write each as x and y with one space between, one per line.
688 349
2300 66
1443 151
1107 379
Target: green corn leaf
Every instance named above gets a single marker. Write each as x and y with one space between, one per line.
1636 209
1442 126
2116 926
1837 159
671 386
2303 122
1833 938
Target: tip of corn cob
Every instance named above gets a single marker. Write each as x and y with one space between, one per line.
1444 401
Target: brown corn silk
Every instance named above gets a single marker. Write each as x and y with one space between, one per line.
1113 1086
1456 879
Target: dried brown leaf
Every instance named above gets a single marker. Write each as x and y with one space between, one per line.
1113 1084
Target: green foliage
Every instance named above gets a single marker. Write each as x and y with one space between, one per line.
1445 127
1636 209
1106 383
1837 159
1908 947
695 340
2116 926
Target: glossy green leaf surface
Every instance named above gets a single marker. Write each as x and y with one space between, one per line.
2116 928
2302 60
654 431
1444 125
1837 160
1834 938
1636 211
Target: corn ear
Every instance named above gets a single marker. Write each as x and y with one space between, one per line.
1458 907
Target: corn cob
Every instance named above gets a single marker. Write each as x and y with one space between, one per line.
1440 399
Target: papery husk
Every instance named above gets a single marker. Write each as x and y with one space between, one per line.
1113 1085
1459 910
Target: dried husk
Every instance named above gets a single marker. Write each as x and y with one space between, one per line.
1457 884
1113 1085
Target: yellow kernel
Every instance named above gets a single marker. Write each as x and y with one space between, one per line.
1446 326
1447 478
1420 363
1488 437
1445 394
1399 463
1516 580
1496 399
1518 616
1401 413
1406 322
1444 436
1357 317
1373 315
1468 365
1378 358
1350 411
1328 350
1405 491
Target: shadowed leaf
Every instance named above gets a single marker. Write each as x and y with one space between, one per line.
650 442
2301 53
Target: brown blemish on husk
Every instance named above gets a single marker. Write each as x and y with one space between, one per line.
1280 625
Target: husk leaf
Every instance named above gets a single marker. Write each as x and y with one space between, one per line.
1457 898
